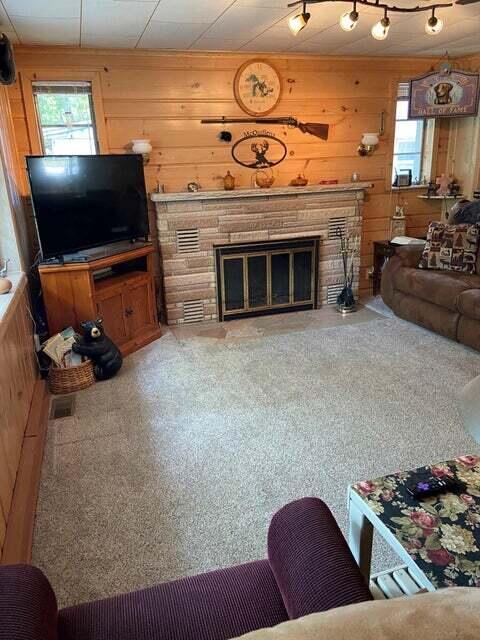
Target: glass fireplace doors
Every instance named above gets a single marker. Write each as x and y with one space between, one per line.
266 277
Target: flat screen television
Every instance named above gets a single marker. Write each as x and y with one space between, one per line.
82 202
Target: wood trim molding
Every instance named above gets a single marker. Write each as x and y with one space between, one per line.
20 525
27 76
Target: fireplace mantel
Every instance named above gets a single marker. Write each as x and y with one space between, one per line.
192 225
259 193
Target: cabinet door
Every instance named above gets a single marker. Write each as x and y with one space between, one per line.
139 307
112 309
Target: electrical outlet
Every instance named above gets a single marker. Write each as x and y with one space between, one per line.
369 273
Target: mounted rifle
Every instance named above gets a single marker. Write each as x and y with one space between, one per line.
313 128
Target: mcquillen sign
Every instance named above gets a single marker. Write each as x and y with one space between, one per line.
259 150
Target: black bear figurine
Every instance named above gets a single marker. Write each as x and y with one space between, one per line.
94 344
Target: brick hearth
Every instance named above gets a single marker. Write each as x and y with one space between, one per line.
190 225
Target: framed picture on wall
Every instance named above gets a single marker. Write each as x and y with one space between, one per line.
444 94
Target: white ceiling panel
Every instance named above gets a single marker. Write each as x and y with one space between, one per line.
248 21
116 17
249 25
5 22
107 41
48 30
43 8
218 44
201 11
266 4
171 35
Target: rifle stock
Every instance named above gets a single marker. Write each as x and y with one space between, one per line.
314 129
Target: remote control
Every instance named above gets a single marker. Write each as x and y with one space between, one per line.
426 487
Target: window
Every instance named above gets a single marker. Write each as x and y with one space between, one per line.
413 141
66 117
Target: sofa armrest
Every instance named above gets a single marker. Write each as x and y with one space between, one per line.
311 561
28 607
410 254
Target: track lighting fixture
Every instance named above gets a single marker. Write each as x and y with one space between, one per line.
381 28
433 25
299 22
348 21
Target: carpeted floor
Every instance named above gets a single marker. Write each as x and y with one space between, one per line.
176 466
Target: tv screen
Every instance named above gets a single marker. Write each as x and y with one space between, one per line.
87 201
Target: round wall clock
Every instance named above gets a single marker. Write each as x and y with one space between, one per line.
257 87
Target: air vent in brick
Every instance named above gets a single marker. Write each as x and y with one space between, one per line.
336 227
193 311
332 292
188 240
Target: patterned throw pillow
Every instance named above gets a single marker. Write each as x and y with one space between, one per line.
452 247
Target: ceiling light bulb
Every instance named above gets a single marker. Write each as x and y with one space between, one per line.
433 26
297 23
349 20
381 28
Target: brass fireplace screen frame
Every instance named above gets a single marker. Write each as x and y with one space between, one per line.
267 249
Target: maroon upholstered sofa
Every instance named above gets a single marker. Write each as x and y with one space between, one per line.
447 302
309 569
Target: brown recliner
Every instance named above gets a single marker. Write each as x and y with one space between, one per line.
447 302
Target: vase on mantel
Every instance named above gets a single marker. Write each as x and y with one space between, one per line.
228 182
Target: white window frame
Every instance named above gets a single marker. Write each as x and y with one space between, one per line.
426 151
65 87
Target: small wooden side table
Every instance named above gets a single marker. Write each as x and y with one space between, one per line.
382 251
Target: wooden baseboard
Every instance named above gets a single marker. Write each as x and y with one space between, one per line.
137 343
21 519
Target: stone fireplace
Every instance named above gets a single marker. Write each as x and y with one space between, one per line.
254 251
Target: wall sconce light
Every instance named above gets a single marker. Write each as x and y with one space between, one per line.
368 144
143 147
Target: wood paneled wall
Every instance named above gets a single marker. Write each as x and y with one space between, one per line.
15 240
163 96
463 155
18 374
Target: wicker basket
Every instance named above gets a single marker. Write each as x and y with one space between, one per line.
71 379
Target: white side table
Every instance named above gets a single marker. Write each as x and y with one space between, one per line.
362 523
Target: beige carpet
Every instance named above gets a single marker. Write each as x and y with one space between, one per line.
176 466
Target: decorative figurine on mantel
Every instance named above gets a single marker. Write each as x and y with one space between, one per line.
443 185
229 182
299 181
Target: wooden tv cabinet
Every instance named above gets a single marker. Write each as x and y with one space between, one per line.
124 298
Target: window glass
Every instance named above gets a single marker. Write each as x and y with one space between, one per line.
65 115
408 148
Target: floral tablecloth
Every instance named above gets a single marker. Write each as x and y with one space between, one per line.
441 533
